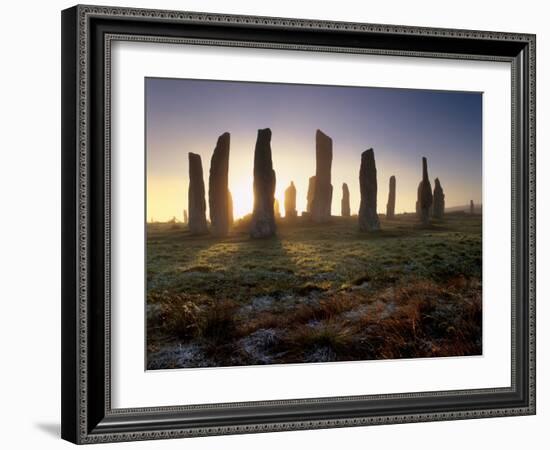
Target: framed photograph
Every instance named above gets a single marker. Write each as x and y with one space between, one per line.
280 224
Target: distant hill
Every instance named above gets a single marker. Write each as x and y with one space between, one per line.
465 208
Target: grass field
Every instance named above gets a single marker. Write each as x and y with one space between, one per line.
314 293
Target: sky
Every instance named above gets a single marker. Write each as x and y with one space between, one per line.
401 125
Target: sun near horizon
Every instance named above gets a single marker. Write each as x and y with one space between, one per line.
401 126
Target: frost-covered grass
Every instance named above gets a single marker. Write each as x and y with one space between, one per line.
314 293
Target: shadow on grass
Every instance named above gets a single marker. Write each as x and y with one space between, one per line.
305 292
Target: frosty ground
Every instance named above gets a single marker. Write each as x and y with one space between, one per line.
314 293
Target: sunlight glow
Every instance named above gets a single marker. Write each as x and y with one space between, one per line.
446 129
243 196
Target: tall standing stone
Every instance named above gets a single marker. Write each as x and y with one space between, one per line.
439 201
418 195
322 195
196 200
310 193
276 209
345 201
390 207
368 217
263 215
229 209
217 187
290 201
472 208
185 218
425 191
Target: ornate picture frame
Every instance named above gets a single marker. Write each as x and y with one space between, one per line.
87 35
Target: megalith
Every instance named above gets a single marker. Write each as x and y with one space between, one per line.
196 200
390 207
218 197
322 194
425 191
439 201
310 193
263 215
345 201
290 201
368 216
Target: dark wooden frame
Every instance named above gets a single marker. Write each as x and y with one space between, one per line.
87 415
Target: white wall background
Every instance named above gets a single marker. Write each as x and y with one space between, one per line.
30 225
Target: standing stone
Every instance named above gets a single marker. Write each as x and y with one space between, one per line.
472 208
196 201
185 218
418 194
290 201
229 209
425 191
276 209
322 194
345 201
439 201
310 193
390 207
263 216
217 187
368 217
